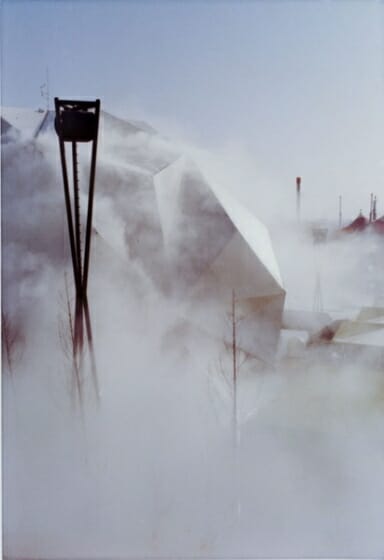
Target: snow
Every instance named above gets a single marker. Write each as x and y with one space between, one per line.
26 121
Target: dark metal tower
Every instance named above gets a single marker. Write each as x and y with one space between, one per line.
78 121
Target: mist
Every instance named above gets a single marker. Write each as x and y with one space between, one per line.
144 465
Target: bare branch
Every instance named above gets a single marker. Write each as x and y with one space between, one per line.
67 340
11 341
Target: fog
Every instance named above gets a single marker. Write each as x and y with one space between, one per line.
145 465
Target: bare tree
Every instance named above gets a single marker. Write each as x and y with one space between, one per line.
231 362
11 341
239 357
70 327
232 357
67 340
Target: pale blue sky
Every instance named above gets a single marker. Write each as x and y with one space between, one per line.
299 83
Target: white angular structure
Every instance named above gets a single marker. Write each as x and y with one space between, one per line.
195 242
215 248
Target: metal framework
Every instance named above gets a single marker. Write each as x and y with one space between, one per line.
78 121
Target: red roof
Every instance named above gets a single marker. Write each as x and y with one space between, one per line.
359 224
378 225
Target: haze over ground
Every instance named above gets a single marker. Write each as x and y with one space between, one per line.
257 93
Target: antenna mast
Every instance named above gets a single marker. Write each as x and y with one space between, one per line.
48 99
44 89
371 209
298 195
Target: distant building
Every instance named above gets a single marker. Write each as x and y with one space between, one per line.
355 341
361 223
358 224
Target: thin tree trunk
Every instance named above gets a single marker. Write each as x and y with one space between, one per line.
7 342
234 362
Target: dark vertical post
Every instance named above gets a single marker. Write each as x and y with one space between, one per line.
67 198
88 327
90 202
298 194
371 209
76 205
